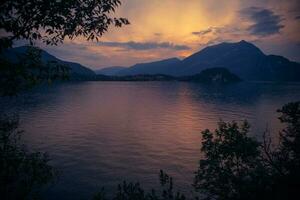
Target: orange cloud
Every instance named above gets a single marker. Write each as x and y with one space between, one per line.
176 28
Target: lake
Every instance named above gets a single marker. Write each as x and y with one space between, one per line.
101 133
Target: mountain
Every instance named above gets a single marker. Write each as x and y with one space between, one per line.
158 67
241 58
213 75
77 71
141 77
207 76
110 71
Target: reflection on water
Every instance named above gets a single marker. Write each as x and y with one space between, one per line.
100 133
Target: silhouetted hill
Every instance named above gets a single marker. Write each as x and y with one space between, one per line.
243 59
207 76
110 71
139 77
213 75
77 71
236 54
158 67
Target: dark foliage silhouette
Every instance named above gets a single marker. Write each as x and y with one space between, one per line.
232 167
134 191
50 22
284 159
53 21
22 173
236 166
27 71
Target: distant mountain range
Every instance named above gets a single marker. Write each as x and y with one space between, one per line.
207 76
110 71
158 67
242 58
212 75
77 71
151 68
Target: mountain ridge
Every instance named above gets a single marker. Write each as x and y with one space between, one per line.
241 58
155 67
77 71
109 71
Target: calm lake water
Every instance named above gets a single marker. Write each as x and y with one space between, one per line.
101 133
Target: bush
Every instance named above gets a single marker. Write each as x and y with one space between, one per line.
22 173
236 166
134 191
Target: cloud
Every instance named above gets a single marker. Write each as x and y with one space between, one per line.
217 40
145 45
158 34
220 31
265 21
203 32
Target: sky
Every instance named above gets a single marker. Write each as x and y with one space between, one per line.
162 29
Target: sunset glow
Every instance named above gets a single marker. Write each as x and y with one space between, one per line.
176 28
149 99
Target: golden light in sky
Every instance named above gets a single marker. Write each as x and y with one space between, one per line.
162 29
